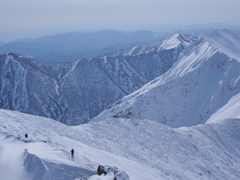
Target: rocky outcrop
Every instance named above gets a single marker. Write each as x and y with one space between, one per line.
116 173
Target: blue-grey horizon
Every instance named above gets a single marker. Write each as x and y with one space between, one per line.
27 18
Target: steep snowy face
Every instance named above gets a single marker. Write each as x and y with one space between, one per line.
203 80
75 92
26 88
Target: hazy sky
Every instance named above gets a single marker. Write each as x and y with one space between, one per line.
29 18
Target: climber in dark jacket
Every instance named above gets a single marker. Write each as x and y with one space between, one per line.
26 135
72 153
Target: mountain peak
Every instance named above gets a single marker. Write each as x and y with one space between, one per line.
177 39
171 43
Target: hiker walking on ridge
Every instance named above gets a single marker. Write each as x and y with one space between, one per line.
72 153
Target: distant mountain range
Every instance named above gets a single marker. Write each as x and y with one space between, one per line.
84 45
79 45
75 92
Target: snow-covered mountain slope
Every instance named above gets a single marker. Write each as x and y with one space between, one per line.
26 88
144 149
75 92
205 77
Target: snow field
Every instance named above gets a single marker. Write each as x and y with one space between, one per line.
143 149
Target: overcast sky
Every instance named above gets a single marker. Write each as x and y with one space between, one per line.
29 18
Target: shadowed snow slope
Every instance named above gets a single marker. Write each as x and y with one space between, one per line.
203 80
144 149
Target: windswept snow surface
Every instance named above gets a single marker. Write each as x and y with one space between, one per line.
11 160
203 80
144 149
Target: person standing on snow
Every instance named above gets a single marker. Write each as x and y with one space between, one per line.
72 153
26 135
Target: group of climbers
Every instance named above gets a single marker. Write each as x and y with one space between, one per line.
72 151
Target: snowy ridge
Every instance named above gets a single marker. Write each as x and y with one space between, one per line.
176 40
226 42
75 92
143 149
171 43
203 80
